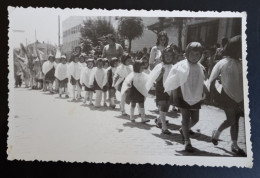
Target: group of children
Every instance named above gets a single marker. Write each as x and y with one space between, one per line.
178 83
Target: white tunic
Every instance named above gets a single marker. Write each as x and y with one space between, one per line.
47 66
189 77
75 70
122 71
85 76
154 74
100 76
138 79
231 77
61 71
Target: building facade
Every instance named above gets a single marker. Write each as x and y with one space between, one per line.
208 31
71 33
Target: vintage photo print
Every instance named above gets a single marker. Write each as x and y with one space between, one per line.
119 86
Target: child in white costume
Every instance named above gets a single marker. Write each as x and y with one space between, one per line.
231 98
110 75
48 70
159 75
74 72
98 80
187 77
121 73
61 74
134 85
85 78
82 60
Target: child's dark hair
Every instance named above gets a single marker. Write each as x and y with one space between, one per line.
162 34
73 56
233 48
193 46
168 49
113 61
125 57
137 65
105 60
100 60
90 61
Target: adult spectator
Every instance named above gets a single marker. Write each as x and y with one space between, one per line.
156 51
112 49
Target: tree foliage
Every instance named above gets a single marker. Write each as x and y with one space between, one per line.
93 31
130 28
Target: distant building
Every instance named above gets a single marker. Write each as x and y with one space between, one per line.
71 33
208 31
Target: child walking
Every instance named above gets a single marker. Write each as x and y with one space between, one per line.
231 97
159 75
48 70
61 74
98 80
134 84
110 75
187 77
121 73
74 72
84 80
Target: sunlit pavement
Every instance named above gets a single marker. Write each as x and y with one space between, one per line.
47 127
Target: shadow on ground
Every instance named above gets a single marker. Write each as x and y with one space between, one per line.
138 125
198 152
172 114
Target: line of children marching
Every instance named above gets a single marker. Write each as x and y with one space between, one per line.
181 84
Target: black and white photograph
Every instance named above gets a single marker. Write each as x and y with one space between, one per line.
118 86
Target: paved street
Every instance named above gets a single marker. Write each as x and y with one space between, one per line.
49 128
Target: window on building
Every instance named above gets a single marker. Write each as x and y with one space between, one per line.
205 33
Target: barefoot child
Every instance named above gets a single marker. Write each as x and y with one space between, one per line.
159 75
61 74
98 79
48 71
110 75
134 84
187 77
230 69
84 80
74 72
121 73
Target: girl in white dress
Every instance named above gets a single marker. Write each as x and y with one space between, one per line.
98 81
84 80
61 74
121 73
74 72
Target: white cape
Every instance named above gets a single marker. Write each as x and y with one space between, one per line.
154 74
100 76
85 76
47 66
61 71
75 70
139 80
122 71
83 64
189 77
